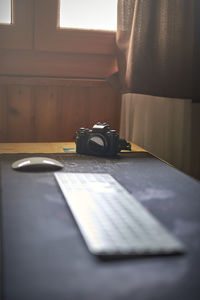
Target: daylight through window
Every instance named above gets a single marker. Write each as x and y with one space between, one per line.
5 12
89 14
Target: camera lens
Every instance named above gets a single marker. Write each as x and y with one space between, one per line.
96 144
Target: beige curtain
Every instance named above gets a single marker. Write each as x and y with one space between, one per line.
158 44
158 47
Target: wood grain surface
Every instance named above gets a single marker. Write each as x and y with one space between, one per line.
167 128
50 113
68 147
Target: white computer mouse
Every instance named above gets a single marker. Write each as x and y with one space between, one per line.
37 164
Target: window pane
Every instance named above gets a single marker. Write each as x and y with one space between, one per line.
89 14
5 12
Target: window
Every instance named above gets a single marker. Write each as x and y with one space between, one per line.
16 28
70 40
5 11
53 50
89 14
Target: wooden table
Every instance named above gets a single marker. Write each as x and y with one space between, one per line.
61 147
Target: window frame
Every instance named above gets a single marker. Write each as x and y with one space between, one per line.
19 34
35 46
54 38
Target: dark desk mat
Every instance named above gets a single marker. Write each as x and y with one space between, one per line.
44 256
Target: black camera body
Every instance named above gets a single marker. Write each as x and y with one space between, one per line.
100 141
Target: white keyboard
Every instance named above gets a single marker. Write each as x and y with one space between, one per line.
112 221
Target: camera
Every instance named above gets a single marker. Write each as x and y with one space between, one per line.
100 141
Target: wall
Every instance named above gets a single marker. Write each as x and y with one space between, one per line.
168 128
50 110
53 80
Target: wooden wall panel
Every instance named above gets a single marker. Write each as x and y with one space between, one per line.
101 106
34 63
195 140
19 114
75 110
54 112
3 109
39 100
46 106
168 128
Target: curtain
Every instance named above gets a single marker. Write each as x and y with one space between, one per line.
158 43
